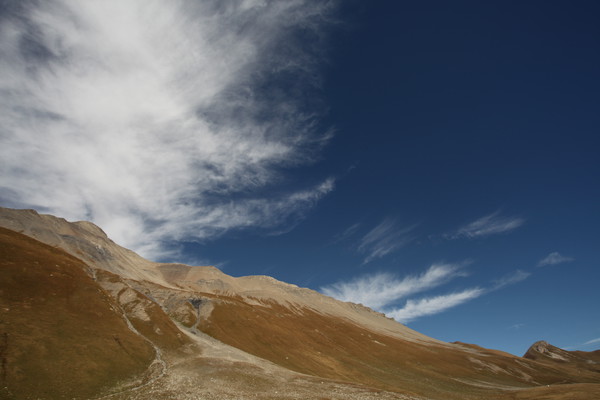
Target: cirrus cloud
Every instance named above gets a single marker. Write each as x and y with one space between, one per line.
510 279
161 121
553 259
382 289
385 238
414 309
385 291
487 225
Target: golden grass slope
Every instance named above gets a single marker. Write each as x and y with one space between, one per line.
60 336
311 343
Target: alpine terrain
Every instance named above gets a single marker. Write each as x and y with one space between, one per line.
83 318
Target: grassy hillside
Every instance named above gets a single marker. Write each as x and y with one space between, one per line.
60 334
308 342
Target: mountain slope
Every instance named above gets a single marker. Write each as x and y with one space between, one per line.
546 353
216 336
81 239
89 243
306 341
59 333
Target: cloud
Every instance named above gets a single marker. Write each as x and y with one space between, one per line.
382 289
510 279
161 121
346 234
432 305
384 239
553 259
593 341
491 224
414 309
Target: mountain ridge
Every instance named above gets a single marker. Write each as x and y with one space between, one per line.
103 253
256 337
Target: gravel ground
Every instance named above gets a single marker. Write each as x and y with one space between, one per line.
210 378
209 369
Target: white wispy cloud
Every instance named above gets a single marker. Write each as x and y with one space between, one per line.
491 224
384 239
431 305
382 289
553 259
510 279
346 233
593 341
414 309
160 120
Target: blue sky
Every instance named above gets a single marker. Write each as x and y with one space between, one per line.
437 161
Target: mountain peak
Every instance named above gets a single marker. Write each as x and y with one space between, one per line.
544 350
541 346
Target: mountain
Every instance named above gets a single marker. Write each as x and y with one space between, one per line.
544 352
84 318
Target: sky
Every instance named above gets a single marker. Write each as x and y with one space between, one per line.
436 161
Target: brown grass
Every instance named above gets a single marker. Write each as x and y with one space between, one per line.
320 345
577 391
59 334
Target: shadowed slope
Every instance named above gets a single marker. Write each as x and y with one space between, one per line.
60 336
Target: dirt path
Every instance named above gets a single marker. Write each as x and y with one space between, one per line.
156 370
